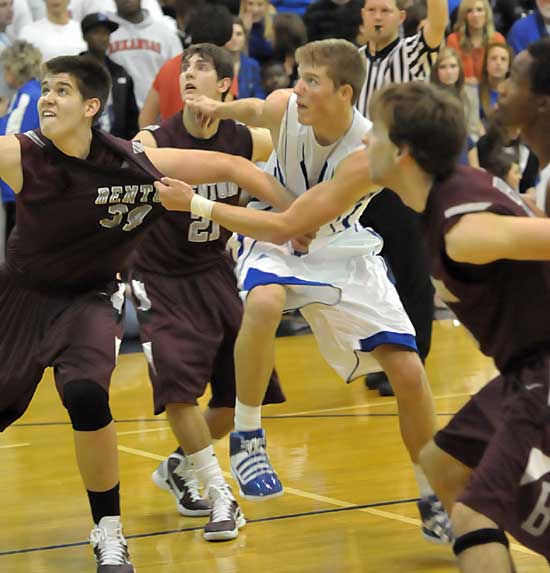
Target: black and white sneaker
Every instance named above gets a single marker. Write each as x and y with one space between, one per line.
110 548
226 517
175 475
436 525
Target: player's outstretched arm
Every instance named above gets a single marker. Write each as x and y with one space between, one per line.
253 112
197 166
320 205
481 238
10 162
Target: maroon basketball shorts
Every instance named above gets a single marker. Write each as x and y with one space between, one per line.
76 334
188 326
503 434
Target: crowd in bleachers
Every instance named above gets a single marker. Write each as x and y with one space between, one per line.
141 43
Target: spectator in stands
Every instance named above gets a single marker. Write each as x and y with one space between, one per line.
447 72
289 33
209 23
247 70
21 64
57 34
274 76
474 31
257 16
496 67
120 116
6 39
531 28
81 8
333 19
141 45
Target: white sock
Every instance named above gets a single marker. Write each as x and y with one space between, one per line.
205 463
247 418
423 484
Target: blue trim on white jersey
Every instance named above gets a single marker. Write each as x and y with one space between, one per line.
386 337
255 278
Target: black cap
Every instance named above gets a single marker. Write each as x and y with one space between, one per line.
97 19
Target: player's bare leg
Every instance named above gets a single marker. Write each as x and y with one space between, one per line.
418 425
181 473
97 458
254 362
476 551
446 474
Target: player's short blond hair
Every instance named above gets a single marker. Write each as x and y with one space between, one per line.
342 60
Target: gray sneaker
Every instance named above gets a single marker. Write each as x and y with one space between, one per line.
110 548
226 518
174 475
436 525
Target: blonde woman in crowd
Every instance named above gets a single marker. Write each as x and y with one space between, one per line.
473 32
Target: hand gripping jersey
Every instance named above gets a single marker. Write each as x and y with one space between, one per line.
182 243
78 220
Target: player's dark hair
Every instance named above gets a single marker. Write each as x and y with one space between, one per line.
426 119
92 77
220 58
538 72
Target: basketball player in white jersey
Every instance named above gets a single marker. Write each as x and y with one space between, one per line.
315 132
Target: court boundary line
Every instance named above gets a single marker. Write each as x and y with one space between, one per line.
328 500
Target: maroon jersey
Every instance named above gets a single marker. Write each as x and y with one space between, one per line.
78 220
503 303
182 243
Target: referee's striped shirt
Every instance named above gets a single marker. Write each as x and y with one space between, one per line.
404 60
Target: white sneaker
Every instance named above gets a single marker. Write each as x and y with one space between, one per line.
110 548
174 475
226 518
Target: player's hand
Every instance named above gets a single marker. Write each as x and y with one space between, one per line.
301 244
175 195
204 108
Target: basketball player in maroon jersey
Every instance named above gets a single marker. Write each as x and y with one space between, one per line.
84 200
189 308
491 261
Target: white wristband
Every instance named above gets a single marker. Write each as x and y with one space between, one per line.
201 206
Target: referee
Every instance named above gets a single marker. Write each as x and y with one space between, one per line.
391 59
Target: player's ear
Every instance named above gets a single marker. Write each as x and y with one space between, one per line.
92 106
346 91
544 105
224 84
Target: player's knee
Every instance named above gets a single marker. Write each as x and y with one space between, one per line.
265 304
88 405
406 373
465 519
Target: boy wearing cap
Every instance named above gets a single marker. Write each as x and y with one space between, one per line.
121 113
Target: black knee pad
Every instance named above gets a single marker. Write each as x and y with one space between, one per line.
479 537
88 405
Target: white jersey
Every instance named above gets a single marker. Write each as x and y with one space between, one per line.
341 285
300 162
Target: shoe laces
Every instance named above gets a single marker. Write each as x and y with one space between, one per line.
110 545
255 446
189 479
222 503
439 520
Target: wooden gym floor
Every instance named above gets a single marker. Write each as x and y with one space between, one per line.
350 494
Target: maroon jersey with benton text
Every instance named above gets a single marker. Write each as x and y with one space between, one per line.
78 220
503 304
182 243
